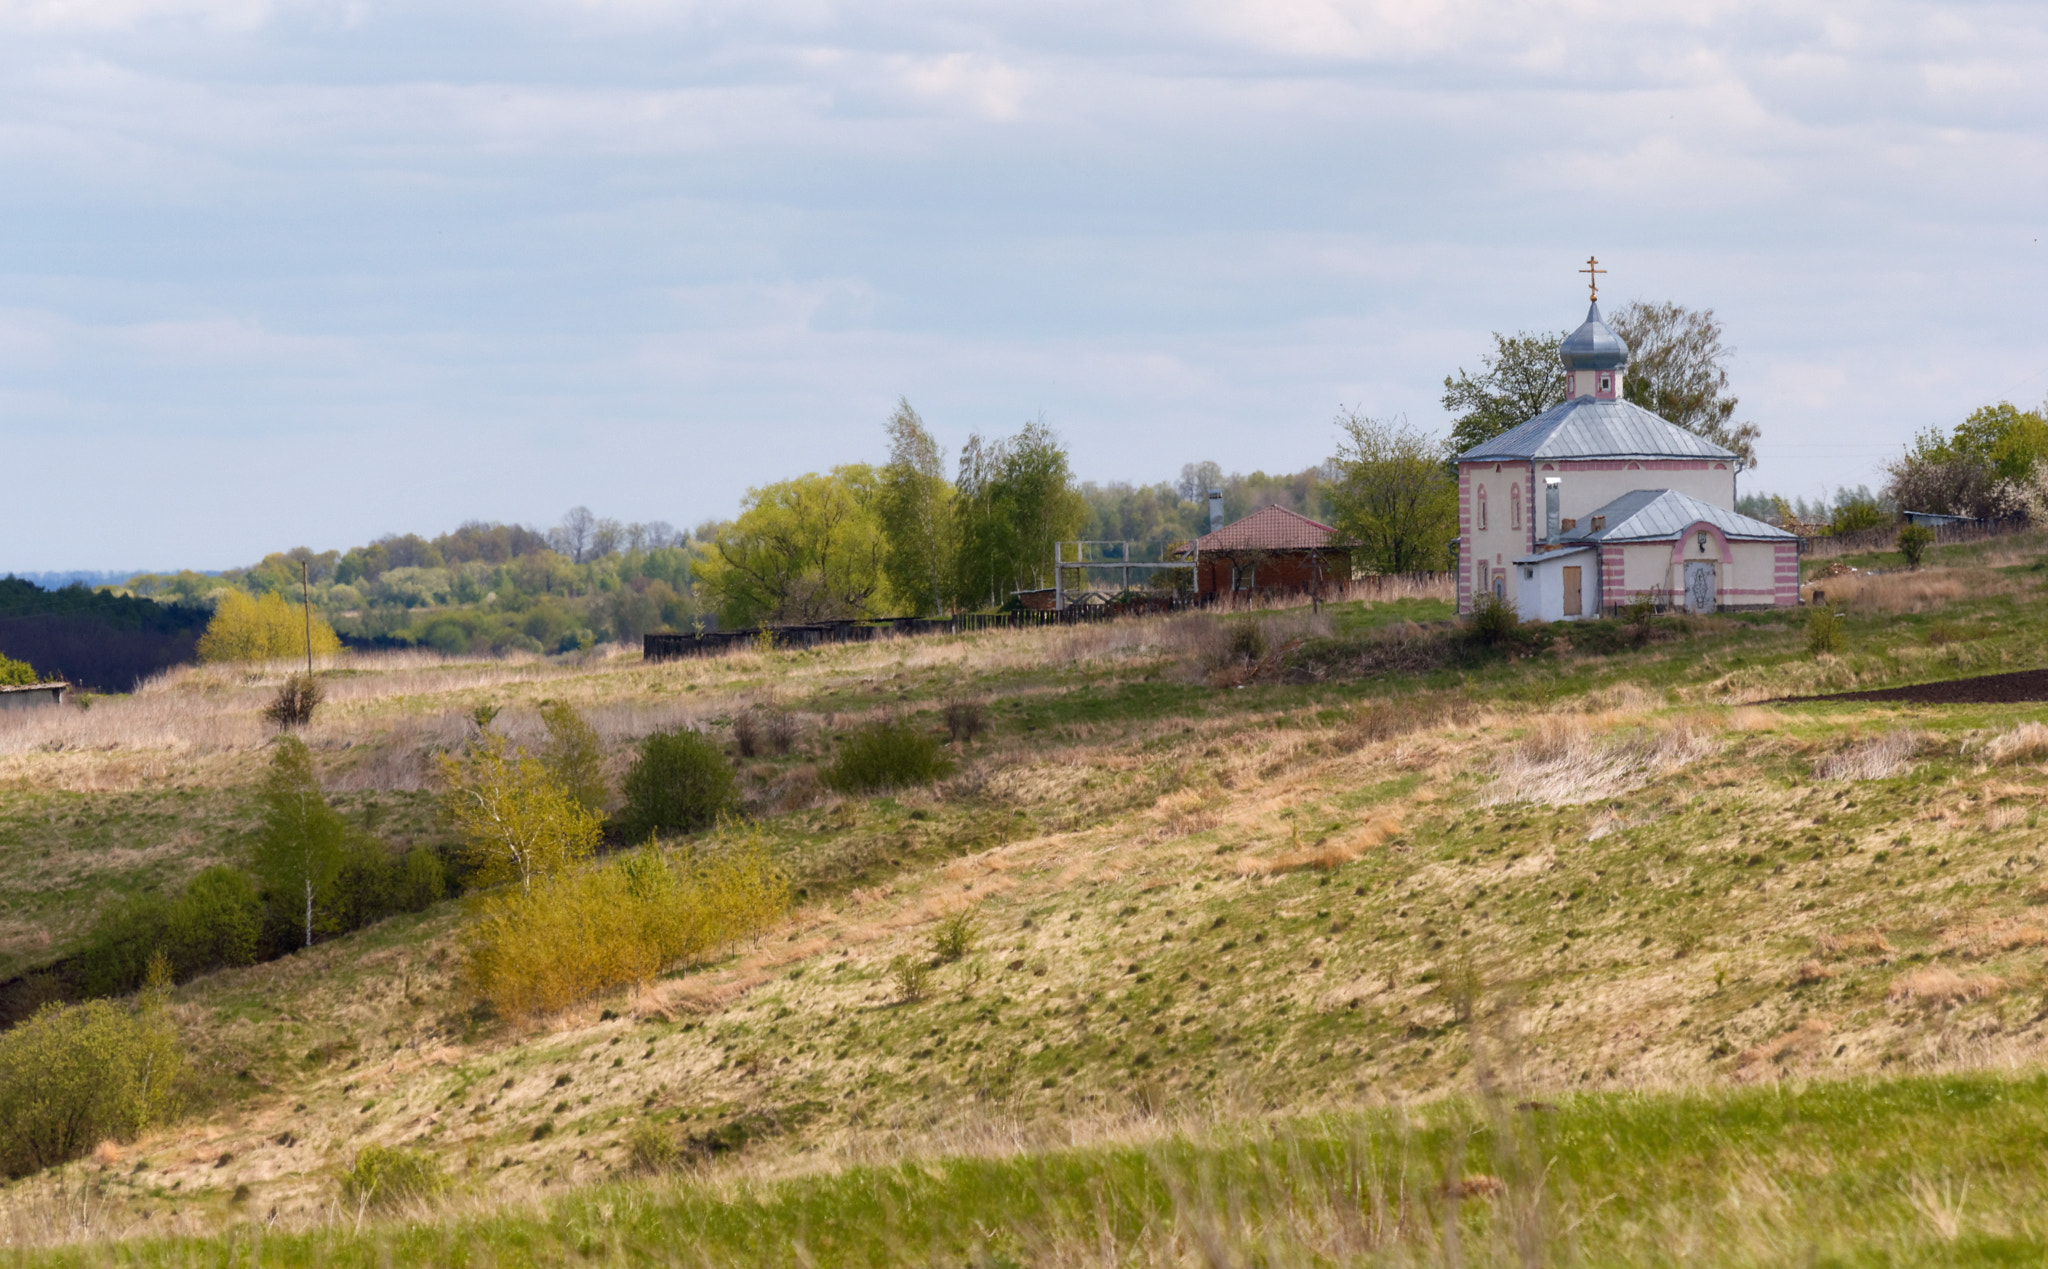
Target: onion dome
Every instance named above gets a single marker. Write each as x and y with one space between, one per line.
1593 346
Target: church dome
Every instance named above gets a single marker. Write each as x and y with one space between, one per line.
1593 346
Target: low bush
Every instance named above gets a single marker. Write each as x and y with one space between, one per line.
760 730
679 783
913 978
574 755
75 1075
1824 631
886 755
956 937
214 924
965 721
15 673
374 883
1247 641
1493 622
384 1177
1914 539
575 935
297 697
653 1148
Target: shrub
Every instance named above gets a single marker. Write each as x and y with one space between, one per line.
1824 632
1493 621
1247 641
650 1147
956 936
680 782
15 673
517 821
761 730
1914 539
385 1177
574 755
1638 610
296 699
913 979
75 1075
965 721
573 936
300 846
215 923
886 755
245 628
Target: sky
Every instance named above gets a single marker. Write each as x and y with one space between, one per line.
305 272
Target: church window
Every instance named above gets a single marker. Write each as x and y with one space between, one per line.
1606 383
1482 506
1515 507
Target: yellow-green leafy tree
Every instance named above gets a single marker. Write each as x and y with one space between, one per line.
802 550
518 822
248 628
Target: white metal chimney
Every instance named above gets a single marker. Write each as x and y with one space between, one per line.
1215 510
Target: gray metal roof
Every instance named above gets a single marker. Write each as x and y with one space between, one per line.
1588 427
1651 515
1593 346
1573 548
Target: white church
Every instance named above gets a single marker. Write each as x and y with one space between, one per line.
1597 501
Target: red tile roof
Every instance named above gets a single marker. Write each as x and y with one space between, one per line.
1269 529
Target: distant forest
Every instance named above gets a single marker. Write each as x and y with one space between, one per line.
96 639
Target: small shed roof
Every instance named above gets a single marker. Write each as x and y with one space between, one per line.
1544 557
1269 529
50 686
1587 427
1652 515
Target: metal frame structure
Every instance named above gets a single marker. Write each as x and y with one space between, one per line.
1081 561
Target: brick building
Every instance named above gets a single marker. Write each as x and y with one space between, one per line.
1272 549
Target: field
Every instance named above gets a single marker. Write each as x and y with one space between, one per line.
1300 938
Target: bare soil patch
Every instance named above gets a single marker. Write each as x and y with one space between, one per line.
1984 689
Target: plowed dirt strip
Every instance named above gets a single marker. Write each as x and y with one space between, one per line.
1985 689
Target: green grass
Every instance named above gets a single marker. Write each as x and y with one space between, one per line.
1924 1171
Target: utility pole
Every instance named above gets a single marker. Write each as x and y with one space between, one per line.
306 594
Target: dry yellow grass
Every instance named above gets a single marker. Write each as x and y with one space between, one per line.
1942 986
1925 591
1875 758
2027 742
1563 762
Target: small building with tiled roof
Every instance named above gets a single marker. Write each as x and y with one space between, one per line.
1597 500
1272 549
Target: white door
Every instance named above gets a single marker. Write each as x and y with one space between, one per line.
1699 586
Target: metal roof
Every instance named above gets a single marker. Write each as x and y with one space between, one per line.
1269 529
1651 515
1539 557
1593 346
1587 427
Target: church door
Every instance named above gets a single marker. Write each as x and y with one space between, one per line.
1699 586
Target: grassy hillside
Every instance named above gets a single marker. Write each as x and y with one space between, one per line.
1292 919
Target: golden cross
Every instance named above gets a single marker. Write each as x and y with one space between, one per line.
1593 272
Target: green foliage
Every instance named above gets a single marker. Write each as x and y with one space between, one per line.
300 847
1825 632
920 533
1247 642
653 1148
1914 539
1639 609
266 628
957 934
1970 470
517 821
574 756
801 550
912 979
1493 622
375 883
214 924
1517 381
680 782
1392 500
1016 498
16 673
1856 512
385 1177
575 935
296 699
885 755
75 1075
1677 370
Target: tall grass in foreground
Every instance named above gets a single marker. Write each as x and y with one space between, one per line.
1923 1171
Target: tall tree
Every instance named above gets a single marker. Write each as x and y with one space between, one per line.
1518 380
1678 370
1016 499
1392 499
802 550
518 822
300 847
918 525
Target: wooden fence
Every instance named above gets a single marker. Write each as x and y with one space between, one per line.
668 645
1886 537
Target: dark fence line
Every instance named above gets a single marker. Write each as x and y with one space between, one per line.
1884 537
669 645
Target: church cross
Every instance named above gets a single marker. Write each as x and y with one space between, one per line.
1593 272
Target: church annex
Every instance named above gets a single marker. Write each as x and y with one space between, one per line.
1597 501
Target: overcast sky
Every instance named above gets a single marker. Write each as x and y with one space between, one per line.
305 273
